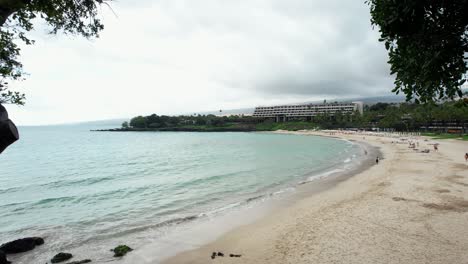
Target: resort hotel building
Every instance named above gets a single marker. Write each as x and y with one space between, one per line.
306 111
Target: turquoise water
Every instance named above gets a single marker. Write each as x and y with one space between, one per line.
78 187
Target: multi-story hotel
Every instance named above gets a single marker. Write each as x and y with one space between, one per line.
306 111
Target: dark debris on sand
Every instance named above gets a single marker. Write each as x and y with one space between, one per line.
221 254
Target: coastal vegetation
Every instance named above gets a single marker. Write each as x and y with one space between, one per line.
446 136
415 117
384 116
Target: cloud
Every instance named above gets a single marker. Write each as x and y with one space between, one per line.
182 56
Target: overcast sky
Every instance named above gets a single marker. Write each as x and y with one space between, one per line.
185 56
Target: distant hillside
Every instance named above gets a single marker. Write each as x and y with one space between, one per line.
365 100
381 99
249 111
110 122
241 111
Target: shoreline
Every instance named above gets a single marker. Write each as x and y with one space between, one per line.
314 184
207 230
177 233
410 208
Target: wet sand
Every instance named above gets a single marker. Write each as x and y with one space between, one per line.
410 208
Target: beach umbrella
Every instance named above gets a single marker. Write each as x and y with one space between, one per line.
8 131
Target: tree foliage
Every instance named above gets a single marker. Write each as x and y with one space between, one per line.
157 122
427 42
78 17
413 117
139 121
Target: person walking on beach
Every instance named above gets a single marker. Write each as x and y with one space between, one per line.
466 157
377 160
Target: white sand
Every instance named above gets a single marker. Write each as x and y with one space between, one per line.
410 208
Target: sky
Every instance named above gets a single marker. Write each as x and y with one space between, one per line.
183 56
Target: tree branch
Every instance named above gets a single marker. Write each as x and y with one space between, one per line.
8 7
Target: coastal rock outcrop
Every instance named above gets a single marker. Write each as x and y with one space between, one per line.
80 262
121 250
21 245
3 259
60 257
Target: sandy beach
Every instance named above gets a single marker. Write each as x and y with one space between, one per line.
410 208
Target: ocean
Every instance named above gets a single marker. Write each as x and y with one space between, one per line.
86 192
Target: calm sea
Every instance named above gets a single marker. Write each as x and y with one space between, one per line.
75 187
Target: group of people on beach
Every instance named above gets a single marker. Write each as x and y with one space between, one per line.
412 144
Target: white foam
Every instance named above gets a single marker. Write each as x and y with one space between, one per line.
221 209
324 174
290 189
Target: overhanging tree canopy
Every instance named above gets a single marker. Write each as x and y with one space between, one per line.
427 43
79 17
427 40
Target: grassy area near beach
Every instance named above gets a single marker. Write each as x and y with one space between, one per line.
446 136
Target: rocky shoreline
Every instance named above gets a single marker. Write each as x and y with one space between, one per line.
29 243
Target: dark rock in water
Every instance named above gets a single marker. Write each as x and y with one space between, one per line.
39 240
213 256
61 257
80 262
3 259
235 256
220 254
21 245
121 250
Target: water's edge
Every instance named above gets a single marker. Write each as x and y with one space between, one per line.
159 240
205 232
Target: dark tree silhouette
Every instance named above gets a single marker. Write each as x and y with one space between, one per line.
427 43
77 17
